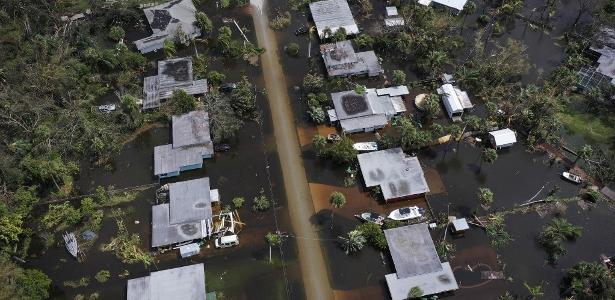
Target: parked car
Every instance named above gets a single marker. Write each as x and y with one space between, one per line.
227 241
227 87
302 30
222 147
107 108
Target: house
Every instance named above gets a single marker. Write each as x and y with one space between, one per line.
173 74
416 263
502 138
453 6
174 20
392 17
187 216
185 283
398 176
366 112
333 14
191 144
341 60
602 52
455 101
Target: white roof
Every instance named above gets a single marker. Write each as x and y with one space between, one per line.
456 4
430 283
606 62
188 249
460 224
332 115
185 283
503 136
391 11
393 91
450 98
425 2
333 14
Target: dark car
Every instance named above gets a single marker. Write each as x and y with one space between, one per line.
301 30
222 148
227 87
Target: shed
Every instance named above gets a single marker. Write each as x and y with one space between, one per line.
398 175
189 250
333 14
185 283
392 18
455 101
460 225
502 138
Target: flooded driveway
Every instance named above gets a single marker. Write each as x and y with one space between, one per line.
295 181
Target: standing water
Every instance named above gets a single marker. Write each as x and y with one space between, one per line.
300 206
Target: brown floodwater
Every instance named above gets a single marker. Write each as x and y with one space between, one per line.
300 206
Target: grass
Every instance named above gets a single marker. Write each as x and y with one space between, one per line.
594 128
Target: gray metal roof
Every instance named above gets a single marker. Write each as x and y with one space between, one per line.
183 283
166 21
460 224
164 233
168 159
333 14
190 201
397 174
173 74
430 284
412 250
341 60
191 129
360 123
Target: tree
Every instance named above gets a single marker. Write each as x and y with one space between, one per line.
399 77
337 200
313 83
238 202
506 296
215 77
585 153
534 291
364 40
261 203
274 240
489 155
415 292
588 280
432 106
319 142
353 242
374 235
485 196
292 49
554 234
223 120
411 138
342 152
360 89
33 284
182 102
244 99
204 23
116 33
168 47
339 35
132 110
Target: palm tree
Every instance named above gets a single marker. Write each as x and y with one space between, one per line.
415 292
489 155
584 153
337 200
354 242
535 291
274 240
485 196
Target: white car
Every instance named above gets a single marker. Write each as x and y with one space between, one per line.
227 241
107 108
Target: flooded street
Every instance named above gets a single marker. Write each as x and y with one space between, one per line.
300 206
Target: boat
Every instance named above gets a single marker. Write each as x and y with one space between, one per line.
371 217
406 213
333 137
71 243
366 146
572 177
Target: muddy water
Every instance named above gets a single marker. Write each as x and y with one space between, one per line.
295 181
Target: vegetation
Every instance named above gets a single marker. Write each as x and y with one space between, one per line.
292 49
238 202
554 234
373 235
22 284
223 119
340 152
534 291
489 155
274 240
313 83
204 23
432 106
354 242
126 246
337 200
82 282
281 20
116 33
261 202
415 292
182 102
399 77
485 196
215 77
496 230
588 280
102 276
243 99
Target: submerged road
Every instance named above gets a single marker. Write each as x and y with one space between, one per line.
300 206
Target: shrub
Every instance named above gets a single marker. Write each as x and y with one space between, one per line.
261 202
238 202
102 276
292 49
215 77
281 20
